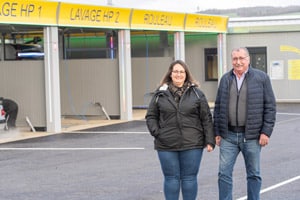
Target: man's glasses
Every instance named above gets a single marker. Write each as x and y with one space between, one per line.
239 58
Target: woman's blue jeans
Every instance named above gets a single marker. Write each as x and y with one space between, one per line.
230 147
180 170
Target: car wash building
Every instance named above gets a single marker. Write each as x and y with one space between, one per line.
60 59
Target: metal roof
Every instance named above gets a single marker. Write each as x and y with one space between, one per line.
264 24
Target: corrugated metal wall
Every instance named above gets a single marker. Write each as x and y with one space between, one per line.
86 82
23 82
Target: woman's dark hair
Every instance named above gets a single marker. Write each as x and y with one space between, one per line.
189 78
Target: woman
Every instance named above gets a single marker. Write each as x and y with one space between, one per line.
180 121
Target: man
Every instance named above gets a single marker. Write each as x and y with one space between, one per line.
11 111
244 117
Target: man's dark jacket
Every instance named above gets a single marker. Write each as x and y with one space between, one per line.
261 104
187 126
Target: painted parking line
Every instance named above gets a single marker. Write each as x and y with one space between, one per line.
68 149
288 120
274 186
112 132
295 114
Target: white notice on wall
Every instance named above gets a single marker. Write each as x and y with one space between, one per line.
277 69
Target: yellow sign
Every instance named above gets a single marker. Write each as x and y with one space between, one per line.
154 20
294 70
44 12
205 23
289 49
28 12
93 16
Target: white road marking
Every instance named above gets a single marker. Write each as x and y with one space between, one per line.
274 186
288 120
297 114
68 149
111 132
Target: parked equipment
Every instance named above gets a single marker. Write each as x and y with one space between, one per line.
3 120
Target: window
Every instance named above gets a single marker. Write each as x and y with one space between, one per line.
258 57
151 44
211 64
90 44
22 47
258 60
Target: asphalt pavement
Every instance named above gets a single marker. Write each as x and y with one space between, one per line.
118 162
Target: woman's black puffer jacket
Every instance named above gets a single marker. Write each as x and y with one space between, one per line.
186 126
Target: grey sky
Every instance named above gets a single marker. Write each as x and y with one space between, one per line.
186 6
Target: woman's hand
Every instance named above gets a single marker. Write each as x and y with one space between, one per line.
209 148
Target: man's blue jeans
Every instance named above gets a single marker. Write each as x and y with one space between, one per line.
230 147
180 170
